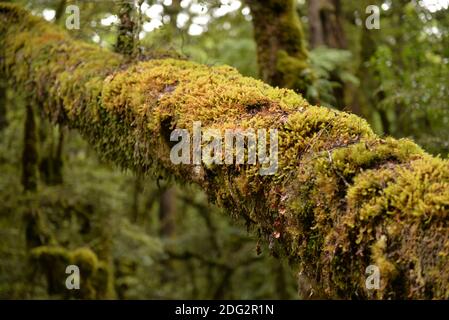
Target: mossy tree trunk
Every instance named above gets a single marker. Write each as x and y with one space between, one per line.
172 11
52 143
126 38
342 198
281 45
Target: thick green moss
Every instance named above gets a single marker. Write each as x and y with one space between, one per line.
342 198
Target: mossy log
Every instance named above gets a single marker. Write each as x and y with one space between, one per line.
342 198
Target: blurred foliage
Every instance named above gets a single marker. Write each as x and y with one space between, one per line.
411 67
332 69
398 75
403 69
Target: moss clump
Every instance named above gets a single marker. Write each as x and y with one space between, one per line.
296 72
87 262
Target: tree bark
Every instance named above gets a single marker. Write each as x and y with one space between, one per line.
342 198
326 27
3 109
29 154
51 163
316 36
282 55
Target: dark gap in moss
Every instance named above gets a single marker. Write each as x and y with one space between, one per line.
399 286
166 129
258 106
170 87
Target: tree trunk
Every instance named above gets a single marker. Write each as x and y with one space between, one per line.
326 26
3 109
341 199
316 36
326 29
281 46
167 210
126 30
29 155
51 162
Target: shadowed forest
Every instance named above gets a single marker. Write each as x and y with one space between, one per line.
90 91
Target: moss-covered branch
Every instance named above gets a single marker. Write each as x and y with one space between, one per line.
342 198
